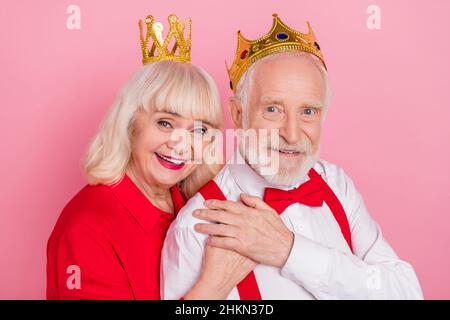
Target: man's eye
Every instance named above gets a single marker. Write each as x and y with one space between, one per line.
271 109
164 124
309 111
199 130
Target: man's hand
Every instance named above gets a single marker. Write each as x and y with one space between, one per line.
249 227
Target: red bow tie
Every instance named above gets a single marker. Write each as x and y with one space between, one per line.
308 193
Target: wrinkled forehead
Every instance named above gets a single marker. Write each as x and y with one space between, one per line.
295 78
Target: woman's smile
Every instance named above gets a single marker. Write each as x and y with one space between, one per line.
170 162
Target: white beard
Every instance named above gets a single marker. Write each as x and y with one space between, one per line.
291 175
287 172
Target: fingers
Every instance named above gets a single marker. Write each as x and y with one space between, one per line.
224 243
219 216
227 205
260 206
254 202
221 230
238 207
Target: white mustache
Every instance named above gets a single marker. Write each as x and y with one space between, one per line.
279 144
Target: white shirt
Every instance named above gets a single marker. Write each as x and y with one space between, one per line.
320 265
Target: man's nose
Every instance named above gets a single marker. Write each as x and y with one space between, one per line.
291 129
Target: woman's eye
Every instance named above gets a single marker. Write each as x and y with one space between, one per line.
199 130
164 124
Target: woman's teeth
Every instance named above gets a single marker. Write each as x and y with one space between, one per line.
171 160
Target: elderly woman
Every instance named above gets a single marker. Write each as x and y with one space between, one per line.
108 239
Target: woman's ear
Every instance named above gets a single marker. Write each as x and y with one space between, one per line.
236 112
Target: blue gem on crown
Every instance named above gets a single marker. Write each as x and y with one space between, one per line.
282 36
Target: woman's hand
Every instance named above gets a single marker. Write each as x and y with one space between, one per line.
221 271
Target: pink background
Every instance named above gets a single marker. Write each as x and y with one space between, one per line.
387 125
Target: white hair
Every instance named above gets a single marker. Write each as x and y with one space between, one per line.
169 86
243 87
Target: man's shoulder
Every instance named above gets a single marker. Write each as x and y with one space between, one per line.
329 170
334 176
184 216
341 184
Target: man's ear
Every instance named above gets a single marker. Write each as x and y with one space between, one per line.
236 112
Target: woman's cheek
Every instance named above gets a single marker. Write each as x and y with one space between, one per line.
196 151
191 168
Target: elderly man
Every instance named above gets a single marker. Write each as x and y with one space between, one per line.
305 225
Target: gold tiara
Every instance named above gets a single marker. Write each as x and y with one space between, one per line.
181 50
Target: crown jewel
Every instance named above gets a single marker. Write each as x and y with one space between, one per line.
159 46
280 38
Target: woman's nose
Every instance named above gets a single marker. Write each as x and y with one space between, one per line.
179 144
173 142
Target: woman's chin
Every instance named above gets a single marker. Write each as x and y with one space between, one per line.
169 177
166 177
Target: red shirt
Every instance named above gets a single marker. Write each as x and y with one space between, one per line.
107 244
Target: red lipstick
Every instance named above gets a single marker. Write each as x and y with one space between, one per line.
169 162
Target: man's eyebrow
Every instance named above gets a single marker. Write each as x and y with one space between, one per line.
312 104
277 100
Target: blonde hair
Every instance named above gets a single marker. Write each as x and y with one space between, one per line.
180 88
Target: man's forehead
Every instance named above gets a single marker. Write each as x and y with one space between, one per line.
272 98
282 79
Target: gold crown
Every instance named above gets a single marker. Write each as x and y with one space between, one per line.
280 38
160 47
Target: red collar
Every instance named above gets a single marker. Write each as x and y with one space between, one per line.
146 214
